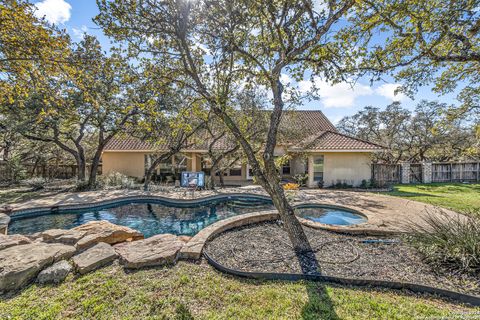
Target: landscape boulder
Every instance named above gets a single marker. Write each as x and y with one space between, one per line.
55 274
155 251
7 241
4 221
96 257
70 237
104 231
20 264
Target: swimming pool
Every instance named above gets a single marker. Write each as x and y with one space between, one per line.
330 215
157 216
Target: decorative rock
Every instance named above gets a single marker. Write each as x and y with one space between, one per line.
12 240
157 250
98 256
20 264
184 238
104 231
62 236
4 221
56 273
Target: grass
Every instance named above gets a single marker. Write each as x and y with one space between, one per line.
456 196
191 291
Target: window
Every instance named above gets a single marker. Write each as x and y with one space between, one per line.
236 172
318 168
286 167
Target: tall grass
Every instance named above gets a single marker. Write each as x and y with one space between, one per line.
449 241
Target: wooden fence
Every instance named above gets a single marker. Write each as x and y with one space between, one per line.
47 171
387 174
456 172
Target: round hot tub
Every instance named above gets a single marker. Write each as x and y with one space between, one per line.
330 214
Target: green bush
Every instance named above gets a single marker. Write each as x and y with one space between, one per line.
36 183
116 180
450 241
301 179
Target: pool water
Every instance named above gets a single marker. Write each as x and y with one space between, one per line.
153 217
150 218
330 215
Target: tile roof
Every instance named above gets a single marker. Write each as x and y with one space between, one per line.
311 127
329 140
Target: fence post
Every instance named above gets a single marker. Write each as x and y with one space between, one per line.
405 177
426 172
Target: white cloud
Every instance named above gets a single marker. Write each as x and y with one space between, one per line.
387 90
341 95
55 11
80 32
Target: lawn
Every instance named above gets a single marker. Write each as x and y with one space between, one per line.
192 291
456 196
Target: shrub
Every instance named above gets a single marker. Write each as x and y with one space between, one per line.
364 184
301 179
81 185
116 180
449 241
36 183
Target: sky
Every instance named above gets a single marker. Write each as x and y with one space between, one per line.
336 101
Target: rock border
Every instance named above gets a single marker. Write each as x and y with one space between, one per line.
4 222
99 204
417 288
192 250
362 228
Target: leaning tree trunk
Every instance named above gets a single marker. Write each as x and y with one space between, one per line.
92 178
81 166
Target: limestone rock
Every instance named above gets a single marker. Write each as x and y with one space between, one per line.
4 221
20 264
104 231
157 250
56 273
184 238
97 256
61 236
7 241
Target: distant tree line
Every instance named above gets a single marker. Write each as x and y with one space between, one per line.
422 134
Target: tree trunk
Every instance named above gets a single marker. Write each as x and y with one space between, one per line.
221 180
92 179
81 166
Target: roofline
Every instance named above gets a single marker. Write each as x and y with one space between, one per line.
334 150
288 150
156 150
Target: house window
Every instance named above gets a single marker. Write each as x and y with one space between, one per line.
286 167
318 168
237 172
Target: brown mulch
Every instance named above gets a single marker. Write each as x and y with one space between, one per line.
265 247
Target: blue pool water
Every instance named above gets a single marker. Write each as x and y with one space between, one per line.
330 215
153 217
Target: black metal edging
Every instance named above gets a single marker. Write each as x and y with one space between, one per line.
460 297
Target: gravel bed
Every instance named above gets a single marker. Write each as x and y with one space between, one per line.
265 247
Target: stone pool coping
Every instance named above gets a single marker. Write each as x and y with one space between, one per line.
4 221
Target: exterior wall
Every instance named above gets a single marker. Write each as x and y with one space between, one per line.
349 167
129 163
298 165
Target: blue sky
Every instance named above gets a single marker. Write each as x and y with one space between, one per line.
335 101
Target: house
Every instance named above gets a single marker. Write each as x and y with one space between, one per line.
312 143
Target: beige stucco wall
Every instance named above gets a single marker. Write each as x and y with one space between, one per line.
129 163
349 167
